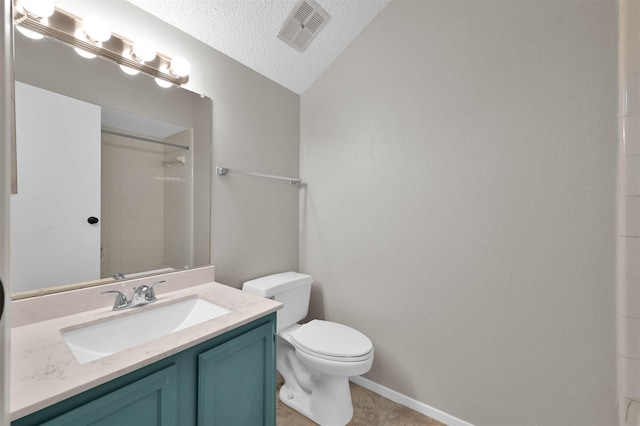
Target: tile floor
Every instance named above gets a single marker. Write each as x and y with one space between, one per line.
369 409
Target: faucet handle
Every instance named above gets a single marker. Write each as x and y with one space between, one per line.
121 301
151 294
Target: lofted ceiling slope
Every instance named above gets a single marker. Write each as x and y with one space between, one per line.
245 30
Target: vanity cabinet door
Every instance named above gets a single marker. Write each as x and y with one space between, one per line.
236 381
152 400
228 380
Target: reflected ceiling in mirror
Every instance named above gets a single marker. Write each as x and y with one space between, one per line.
130 106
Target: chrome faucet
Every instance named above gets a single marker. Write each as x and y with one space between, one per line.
121 301
142 295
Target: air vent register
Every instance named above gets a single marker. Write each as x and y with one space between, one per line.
303 24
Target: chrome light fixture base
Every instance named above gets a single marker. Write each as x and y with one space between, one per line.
63 26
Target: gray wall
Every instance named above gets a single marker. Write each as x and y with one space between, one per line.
460 209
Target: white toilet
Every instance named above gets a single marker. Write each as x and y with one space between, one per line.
316 358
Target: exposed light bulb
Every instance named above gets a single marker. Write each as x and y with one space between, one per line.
96 29
180 67
29 33
84 53
143 50
163 83
38 8
129 70
79 34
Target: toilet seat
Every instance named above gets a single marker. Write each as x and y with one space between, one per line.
332 341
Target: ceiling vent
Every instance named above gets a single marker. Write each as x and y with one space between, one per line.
303 24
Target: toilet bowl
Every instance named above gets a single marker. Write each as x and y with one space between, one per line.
333 348
315 359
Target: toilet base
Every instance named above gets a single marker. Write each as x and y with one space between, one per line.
328 404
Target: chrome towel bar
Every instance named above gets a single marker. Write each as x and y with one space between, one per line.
222 171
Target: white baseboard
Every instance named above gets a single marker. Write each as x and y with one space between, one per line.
401 399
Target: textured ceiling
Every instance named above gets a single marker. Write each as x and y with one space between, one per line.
245 30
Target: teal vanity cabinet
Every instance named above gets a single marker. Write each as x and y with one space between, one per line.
227 381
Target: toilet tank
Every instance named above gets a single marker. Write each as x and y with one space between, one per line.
292 289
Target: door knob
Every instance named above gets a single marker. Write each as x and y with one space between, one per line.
93 220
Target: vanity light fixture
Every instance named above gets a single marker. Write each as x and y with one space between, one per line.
180 67
125 69
128 70
92 37
163 83
38 10
29 33
143 51
94 30
84 53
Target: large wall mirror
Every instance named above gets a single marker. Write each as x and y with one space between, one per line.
114 173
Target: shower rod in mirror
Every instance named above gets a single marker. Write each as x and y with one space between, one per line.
145 139
92 37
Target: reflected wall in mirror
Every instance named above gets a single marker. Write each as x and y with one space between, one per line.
140 165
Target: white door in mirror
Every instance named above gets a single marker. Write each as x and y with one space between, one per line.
58 151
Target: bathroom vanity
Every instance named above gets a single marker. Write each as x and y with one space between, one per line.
220 371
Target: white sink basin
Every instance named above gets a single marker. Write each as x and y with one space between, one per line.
104 338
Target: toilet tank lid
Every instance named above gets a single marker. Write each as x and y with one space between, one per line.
273 284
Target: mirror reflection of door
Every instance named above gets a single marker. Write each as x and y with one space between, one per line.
101 192
52 241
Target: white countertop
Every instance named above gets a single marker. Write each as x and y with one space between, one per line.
44 371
